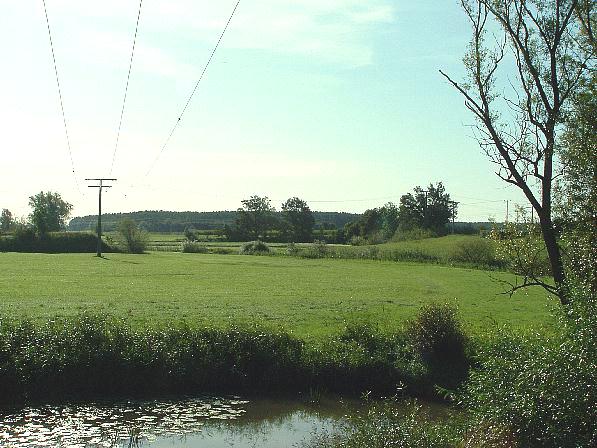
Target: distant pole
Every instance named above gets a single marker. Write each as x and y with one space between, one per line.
507 211
453 204
101 186
426 192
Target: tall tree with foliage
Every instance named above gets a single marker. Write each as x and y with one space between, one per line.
376 224
255 217
389 215
49 212
519 131
298 220
429 209
6 220
578 199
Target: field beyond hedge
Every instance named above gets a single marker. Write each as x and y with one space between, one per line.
312 298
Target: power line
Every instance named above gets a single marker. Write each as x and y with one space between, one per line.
355 200
126 89
72 163
194 90
480 199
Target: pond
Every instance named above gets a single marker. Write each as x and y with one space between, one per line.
208 422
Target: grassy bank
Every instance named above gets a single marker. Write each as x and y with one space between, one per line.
311 298
101 356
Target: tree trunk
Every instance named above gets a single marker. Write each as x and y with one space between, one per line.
555 258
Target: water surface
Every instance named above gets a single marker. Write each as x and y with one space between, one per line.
208 422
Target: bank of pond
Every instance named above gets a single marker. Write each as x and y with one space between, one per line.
515 390
90 356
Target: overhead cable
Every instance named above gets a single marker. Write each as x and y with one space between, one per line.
126 89
70 153
184 109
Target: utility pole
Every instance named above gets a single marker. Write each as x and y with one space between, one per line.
426 192
100 187
453 207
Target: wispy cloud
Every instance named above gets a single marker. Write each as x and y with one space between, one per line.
332 31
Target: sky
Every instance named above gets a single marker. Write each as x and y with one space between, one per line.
338 102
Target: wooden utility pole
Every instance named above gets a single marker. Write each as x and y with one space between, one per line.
101 186
425 192
453 205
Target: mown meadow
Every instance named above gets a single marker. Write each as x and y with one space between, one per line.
312 298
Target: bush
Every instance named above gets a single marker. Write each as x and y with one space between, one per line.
190 234
318 249
133 239
191 247
254 248
539 390
292 250
56 242
475 251
358 240
441 344
24 233
391 424
87 356
362 358
369 253
376 238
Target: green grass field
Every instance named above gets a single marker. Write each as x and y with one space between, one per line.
312 298
442 248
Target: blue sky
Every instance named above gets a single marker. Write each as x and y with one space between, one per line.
337 102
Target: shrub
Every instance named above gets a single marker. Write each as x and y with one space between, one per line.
254 248
56 242
540 390
441 344
361 358
24 233
369 253
358 240
475 251
376 238
292 249
89 356
190 234
98 355
391 424
133 239
318 249
191 247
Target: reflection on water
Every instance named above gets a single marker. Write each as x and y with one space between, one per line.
205 422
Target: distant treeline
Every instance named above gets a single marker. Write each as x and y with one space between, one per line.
165 221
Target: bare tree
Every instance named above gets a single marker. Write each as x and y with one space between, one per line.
517 127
